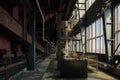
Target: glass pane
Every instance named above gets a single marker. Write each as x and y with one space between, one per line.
90 32
98 45
73 44
87 46
90 44
82 12
81 1
102 45
119 37
81 6
119 42
90 2
116 18
108 29
119 17
108 16
98 27
78 36
93 45
93 1
93 30
101 26
117 27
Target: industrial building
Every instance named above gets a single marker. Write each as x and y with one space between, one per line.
59 39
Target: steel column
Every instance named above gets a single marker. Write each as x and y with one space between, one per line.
108 29
113 30
32 47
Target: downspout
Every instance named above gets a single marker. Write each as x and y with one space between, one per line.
43 22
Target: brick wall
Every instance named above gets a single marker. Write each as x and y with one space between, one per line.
5 44
7 21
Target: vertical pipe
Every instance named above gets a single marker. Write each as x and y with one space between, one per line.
38 5
34 38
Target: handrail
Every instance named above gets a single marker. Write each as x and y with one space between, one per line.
117 48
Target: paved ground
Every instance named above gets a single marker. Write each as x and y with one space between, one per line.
53 74
41 68
46 70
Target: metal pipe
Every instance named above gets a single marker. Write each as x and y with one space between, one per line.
43 23
40 10
38 5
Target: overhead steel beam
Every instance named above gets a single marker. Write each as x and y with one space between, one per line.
94 10
70 7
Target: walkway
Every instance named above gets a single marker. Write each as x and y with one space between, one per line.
46 70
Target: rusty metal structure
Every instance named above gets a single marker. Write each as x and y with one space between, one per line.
32 29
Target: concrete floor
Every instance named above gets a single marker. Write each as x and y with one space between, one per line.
46 70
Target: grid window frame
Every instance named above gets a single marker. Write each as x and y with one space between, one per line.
96 39
117 28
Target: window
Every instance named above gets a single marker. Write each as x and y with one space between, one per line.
81 1
80 5
74 46
95 37
93 29
102 45
93 46
117 28
90 30
82 12
98 28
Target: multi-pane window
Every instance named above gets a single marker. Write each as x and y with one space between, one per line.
95 37
80 5
79 42
74 46
117 29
